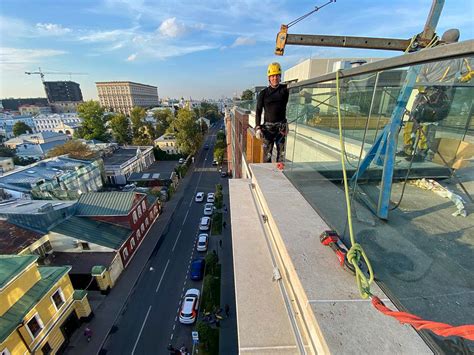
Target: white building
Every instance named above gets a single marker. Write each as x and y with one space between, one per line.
127 160
8 121
65 123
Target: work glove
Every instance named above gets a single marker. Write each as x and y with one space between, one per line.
259 133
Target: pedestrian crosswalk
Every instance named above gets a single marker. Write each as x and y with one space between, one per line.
206 169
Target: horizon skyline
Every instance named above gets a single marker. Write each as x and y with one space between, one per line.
207 50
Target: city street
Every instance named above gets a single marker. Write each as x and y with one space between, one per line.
149 321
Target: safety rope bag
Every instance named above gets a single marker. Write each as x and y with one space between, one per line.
432 106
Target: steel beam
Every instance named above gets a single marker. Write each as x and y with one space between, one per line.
391 44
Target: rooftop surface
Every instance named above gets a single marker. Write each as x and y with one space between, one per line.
82 263
89 230
12 265
122 155
21 206
44 170
14 316
161 170
13 239
114 203
326 309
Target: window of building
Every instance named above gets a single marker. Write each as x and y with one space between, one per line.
58 299
125 253
132 243
155 209
34 326
142 227
5 352
139 211
147 222
85 246
139 234
144 206
134 216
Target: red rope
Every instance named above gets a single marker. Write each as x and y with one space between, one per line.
442 329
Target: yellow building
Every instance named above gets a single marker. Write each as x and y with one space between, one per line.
39 308
122 96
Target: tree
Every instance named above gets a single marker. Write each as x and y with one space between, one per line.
7 152
74 148
120 126
21 128
93 121
247 95
219 154
188 132
163 120
137 116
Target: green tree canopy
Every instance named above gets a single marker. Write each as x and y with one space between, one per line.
93 121
219 154
163 120
7 152
188 132
137 116
247 95
21 128
74 148
120 126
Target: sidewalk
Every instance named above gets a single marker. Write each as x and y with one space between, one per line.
228 330
108 311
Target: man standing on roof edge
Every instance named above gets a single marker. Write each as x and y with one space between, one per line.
272 100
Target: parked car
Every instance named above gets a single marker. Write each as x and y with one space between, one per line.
215 162
181 160
199 197
211 197
129 187
189 307
223 174
197 269
208 209
203 241
206 147
204 224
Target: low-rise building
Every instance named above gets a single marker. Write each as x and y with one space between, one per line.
32 110
56 178
160 173
65 123
121 163
167 143
39 308
36 138
7 121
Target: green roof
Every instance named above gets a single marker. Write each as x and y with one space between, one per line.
14 316
79 294
115 203
98 270
101 233
13 265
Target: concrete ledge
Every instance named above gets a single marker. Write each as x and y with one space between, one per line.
326 298
262 318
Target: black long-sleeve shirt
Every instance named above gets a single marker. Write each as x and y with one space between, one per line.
273 101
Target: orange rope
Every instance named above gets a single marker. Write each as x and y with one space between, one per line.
441 329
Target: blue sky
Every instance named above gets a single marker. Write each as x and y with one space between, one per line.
198 49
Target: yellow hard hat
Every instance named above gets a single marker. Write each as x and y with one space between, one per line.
274 69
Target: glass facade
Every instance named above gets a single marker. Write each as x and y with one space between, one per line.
421 250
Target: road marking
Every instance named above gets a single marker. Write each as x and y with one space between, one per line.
185 217
176 241
171 337
174 326
190 203
163 274
141 330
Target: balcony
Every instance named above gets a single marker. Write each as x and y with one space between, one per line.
413 229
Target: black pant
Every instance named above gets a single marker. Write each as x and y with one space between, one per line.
274 134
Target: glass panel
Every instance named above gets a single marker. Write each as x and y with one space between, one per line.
422 255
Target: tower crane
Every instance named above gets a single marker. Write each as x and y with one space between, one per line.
42 73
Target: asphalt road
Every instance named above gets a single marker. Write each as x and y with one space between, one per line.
149 321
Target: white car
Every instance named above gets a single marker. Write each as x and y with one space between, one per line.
210 197
204 223
189 307
208 209
181 160
202 243
199 197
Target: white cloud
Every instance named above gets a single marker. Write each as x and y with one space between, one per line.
164 51
172 28
132 57
244 41
107 36
19 57
51 29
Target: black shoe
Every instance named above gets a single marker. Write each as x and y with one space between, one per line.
402 154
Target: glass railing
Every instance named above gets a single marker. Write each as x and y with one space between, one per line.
246 104
422 249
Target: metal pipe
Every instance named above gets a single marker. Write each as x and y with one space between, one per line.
391 44
448 51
